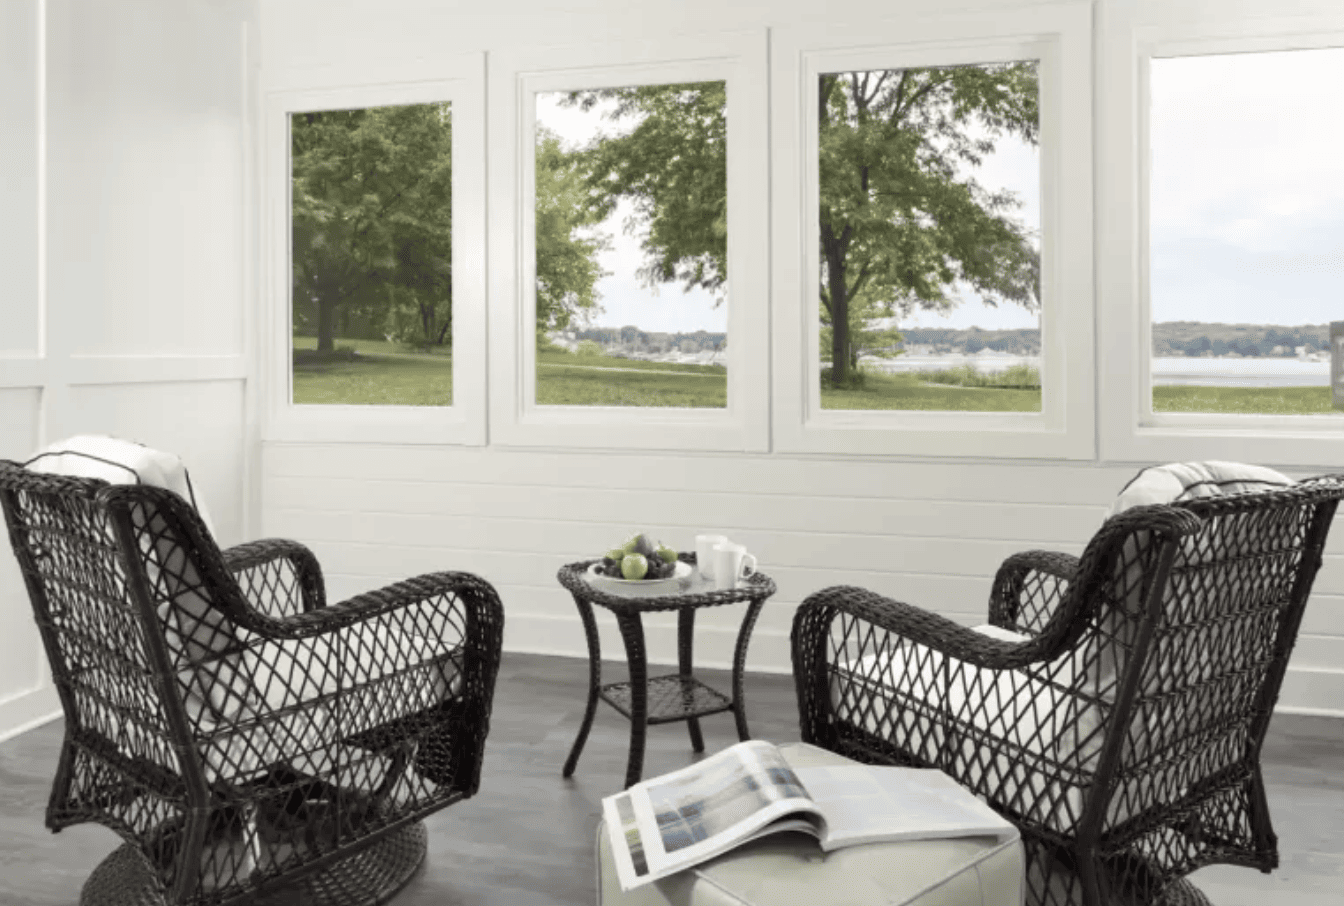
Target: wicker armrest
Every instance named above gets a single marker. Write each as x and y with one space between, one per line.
413 662
1027 589
812 626
480 604
843 623
278 576
405 613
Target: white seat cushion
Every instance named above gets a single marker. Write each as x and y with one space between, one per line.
1033 712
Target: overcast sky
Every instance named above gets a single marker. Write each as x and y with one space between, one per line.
1247 201
1247 198
623 300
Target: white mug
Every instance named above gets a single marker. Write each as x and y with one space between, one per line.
731 564
704 553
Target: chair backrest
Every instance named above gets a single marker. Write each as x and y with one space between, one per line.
1191 612
132 600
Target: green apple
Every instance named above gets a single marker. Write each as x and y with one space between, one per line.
634 566
668 555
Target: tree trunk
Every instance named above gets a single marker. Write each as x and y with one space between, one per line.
326 324
835 277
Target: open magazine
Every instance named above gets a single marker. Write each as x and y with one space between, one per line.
668 823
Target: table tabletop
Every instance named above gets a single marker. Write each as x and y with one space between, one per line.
697 592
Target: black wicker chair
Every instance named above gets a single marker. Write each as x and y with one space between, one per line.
246 740
1123 734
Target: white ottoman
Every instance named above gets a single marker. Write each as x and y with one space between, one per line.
791 870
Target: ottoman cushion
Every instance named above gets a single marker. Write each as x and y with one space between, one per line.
789 869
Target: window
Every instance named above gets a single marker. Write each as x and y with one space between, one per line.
375 302
631 246
942 171
1245 232
1215 224
929 210
630 283
372 255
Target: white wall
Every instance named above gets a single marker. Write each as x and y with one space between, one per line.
121 240
125 238
930 532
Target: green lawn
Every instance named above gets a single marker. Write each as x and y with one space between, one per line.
559 385
385 374
551 357
1249 400
910 392
390 375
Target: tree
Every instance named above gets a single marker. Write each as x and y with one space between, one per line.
870 333
372 215
566 244
1198 346
900 221
672 166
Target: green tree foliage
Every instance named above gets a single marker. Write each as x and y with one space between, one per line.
672 165
901 222
372 217
566 244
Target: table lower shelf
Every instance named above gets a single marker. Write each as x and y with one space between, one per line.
670 698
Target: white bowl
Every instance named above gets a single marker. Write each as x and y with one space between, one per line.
641 588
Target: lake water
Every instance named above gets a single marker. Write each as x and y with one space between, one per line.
1268 372
1272 372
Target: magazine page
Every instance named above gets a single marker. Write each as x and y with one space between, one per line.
665 824
865 803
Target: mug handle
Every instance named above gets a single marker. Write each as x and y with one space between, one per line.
748 569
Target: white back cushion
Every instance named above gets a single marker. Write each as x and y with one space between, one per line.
118 461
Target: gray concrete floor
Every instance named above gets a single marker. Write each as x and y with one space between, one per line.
527 837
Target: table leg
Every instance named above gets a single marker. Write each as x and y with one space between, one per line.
594 681
740 664
632 633
685 647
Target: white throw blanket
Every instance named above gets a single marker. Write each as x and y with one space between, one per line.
118 461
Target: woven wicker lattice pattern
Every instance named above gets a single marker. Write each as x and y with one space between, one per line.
354 717
672 697
669 698
1121 732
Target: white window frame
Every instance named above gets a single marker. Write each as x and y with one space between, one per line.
459 80
1060 38
1129 430
515 77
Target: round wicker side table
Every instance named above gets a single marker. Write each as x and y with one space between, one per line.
370 877
679 696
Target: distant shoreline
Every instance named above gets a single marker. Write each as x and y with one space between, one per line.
1268 371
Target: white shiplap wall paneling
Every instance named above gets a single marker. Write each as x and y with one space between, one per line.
23 667
19 310
921 529
121 215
